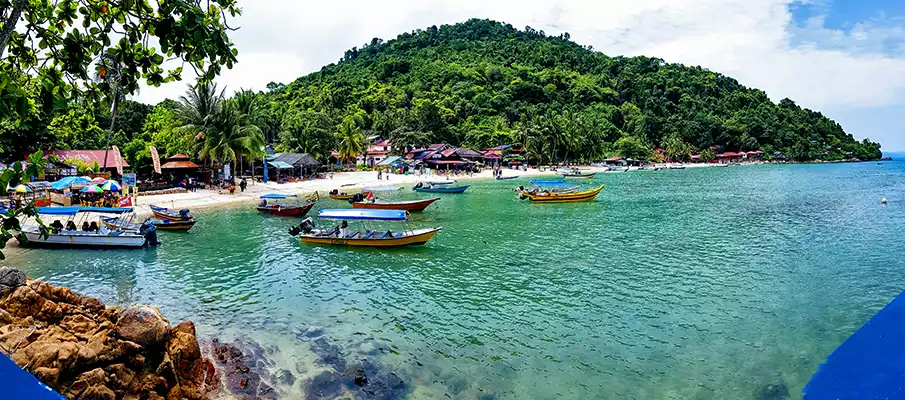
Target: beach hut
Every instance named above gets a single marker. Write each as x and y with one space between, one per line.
179 162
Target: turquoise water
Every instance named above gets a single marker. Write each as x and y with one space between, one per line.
692 284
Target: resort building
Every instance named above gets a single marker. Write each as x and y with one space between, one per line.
444 156
377 152
89 157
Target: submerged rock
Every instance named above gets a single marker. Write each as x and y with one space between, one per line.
360 379
775 390
85 350
243 365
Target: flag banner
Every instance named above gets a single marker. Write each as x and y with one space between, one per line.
118 160
155 158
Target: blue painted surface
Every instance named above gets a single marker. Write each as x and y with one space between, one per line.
276 196
547 183
18 384
868 365
75 210
362 215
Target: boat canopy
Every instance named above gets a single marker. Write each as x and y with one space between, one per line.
542 182
382 189
553 184
75 210
358 214
276 196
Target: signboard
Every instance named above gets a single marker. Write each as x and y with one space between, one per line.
128 179
226 172
155 158
118 160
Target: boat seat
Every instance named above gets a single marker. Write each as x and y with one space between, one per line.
382 235
351 235
369 235
398 234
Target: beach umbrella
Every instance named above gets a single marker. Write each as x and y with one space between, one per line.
91 189
112 186
23 189
98 180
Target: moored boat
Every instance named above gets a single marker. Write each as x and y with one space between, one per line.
411 205
547 196
429 188
506 178
91 235
336 194
161 224
170 225
166 213
340 235
440 183
286 205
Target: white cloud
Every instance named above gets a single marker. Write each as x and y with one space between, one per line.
753 41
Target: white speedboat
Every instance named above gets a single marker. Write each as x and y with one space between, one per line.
93 234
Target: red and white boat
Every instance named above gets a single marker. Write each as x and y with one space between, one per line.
277 204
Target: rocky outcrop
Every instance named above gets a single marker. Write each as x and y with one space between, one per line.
85 350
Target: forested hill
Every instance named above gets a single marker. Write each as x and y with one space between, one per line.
482 83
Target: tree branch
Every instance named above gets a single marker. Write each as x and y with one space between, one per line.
9 26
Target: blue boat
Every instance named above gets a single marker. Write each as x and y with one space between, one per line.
420 188
547 182
870 364
15 383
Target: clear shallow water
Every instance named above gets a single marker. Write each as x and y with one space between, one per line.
694 284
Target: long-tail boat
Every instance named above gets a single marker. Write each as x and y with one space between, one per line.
166 213
161 224
547 196
340 235
277 204
336 194
506 178
430 188
575 173
411 205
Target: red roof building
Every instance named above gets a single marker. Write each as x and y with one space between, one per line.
89 157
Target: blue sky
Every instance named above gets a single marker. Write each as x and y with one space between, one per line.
844 58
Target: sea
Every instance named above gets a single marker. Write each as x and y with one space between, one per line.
703 283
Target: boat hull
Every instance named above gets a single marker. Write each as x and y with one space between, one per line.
458 189
574 197
165 213
580 176
412 206
124 240
174 225
505 178
420 237
287 211
346 196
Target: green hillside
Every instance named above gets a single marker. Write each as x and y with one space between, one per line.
482 83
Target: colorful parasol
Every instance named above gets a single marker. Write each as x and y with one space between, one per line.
112 186
23 189
91 189
98 180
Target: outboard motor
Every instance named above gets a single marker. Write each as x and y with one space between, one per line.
334 192
149 231
185 213
357 198
305 227
419 185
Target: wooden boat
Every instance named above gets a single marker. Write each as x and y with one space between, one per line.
340 236
553 197
579 175
431 189
440 183
278 205
506 178
170 225
166 213
337 195
412 206
100 238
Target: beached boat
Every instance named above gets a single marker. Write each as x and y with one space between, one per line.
506 178
412 205
369 237
547 196
99 237
166 213
285 205
440 183
421 188
335 194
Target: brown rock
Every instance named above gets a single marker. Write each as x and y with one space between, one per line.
96 376
47 375
98 392
143 325
183 347
79 325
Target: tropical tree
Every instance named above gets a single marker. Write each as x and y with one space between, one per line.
229 137
350 140
10 178
707 155
200 107
632 147
306 132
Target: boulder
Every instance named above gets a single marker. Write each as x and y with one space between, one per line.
10 279
143 325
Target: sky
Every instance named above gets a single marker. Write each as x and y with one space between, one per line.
845 58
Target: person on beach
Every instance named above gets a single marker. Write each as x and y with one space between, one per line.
379 175
243 184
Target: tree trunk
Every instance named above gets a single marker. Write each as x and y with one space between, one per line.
9 26
113 110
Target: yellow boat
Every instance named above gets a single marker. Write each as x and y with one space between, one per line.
546 196
340 236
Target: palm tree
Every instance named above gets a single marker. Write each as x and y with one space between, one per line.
230 137
350 140
109 74
199 108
